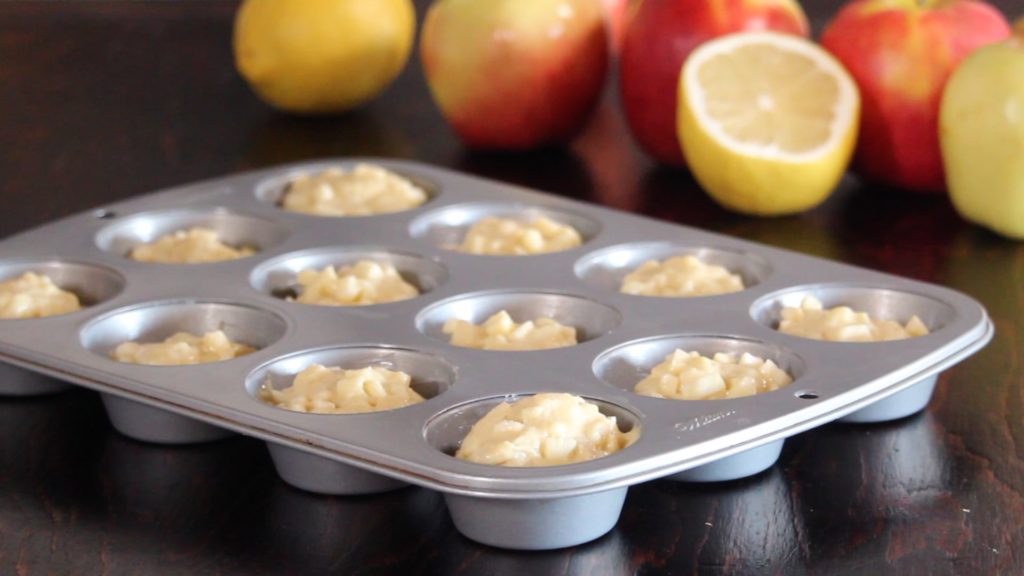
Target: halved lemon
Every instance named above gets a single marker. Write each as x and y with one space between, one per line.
767 121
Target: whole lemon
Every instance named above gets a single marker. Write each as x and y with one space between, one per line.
322 56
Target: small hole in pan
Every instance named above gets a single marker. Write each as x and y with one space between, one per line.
807 395
104 214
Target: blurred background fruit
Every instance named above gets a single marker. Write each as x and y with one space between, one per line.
322 56
901 53
768 121
982 136
660 35
515 74
617 12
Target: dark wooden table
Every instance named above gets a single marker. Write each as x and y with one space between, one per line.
105 100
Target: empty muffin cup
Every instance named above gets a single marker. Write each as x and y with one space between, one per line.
526 523
90 283
236 230
591 319
154 322
431 375
606 268
626 365
447 227
278 277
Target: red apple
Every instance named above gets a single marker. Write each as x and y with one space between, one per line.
901 53
616 11
659 37
515 74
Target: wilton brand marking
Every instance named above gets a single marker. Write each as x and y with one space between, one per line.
701 421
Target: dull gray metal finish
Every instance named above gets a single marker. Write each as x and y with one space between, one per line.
318 474
148 424
908 401
16 381
541 524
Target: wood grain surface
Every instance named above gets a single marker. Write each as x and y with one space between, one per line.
101 101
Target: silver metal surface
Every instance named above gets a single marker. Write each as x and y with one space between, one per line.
16 381
747 463
621 335
900 405
147 424
543 524
317 474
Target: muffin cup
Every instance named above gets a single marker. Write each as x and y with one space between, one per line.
431 375
15 381
536 524
746 463
148 424
906 402
314 473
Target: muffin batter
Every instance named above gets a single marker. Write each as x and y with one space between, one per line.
363 191
335 390
508 237
366 282
181 349
192 246
544 430
34 295
842 324
680 276
500 332
690 376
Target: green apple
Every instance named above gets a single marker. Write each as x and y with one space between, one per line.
981 129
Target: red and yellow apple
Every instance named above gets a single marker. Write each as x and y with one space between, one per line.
660 35
901 53
617 12
515 74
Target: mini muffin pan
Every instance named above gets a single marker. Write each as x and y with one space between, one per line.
621 338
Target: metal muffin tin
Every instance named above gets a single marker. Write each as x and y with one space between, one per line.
622 337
